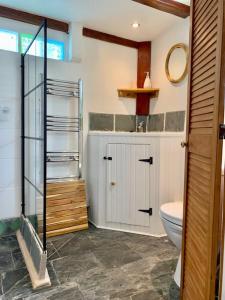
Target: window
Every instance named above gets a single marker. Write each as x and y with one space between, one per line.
55 49
8 40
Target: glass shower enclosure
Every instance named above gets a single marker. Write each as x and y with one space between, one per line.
34 110
33 152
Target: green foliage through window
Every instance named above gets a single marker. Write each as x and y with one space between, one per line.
55 49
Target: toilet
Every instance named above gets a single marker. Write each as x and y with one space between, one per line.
171 215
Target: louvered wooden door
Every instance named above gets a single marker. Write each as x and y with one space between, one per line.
203 155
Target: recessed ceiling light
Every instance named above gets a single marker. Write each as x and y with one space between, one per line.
135 25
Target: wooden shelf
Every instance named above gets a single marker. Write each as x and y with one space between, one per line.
132 93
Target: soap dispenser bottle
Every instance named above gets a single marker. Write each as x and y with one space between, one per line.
147 83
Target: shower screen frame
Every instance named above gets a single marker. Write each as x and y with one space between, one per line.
43 136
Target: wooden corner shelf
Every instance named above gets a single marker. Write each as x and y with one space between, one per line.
132 93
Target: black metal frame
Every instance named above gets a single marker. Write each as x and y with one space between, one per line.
23 137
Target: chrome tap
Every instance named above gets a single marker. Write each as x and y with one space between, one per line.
140 126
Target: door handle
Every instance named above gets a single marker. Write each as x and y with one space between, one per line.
222 132
184 144
147 211
107 158
147 160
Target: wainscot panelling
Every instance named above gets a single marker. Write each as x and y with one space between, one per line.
165 183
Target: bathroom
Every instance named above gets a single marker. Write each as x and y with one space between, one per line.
102 216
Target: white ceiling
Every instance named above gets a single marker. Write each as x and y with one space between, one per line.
109 16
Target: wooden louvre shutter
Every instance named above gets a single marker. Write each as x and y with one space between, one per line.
204 151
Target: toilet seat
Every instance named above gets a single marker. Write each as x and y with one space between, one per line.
172 212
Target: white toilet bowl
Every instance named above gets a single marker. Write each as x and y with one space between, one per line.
172 218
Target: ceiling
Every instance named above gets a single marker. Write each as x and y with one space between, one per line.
114 17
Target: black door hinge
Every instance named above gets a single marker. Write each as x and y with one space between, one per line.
107 158
222 132
147 211
147 160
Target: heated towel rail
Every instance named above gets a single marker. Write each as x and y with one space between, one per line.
73 125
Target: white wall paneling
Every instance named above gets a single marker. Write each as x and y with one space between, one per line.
128 184
137 185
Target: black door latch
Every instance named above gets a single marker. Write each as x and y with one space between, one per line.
107 158
147 211
147 160
222 132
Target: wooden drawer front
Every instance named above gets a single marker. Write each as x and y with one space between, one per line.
66 207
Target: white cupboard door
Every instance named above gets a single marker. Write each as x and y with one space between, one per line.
128 184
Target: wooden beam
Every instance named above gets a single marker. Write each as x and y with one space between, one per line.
143 66
168 6
22 16
94 34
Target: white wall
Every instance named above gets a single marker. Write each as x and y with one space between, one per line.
172 97
107 68
9 135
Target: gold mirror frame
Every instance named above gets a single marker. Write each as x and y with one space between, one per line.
181 78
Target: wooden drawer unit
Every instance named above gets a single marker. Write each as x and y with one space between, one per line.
66 207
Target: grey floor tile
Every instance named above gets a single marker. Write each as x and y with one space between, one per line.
147 295
8 243
60 242
69 268
1 287
60 237
62 292
174 292
51 251
18 259
11 282
78 245
100 283
6 261
69 294
17 284
149 246
96 264
108 238
115 255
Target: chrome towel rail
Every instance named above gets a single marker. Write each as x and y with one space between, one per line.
63 124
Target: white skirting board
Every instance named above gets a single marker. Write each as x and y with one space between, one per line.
37 282
128 231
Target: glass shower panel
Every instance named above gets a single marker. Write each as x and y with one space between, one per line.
34 106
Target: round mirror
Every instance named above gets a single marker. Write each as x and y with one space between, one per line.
177 63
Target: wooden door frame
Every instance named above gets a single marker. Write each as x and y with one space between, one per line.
221 237
215 206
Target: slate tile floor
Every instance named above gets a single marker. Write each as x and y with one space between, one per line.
94 265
